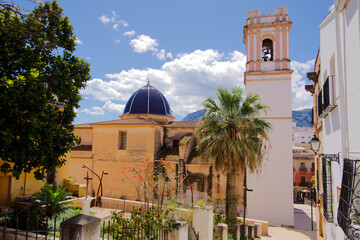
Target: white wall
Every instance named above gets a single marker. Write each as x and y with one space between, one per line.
272 195
272 198
340 40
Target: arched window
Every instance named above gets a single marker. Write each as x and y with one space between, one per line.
267 50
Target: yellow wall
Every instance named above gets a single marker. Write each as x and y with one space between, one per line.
25 185
85 134
142 143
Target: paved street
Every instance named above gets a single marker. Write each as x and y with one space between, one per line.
302 228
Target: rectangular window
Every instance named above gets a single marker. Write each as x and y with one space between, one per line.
122 140
320 105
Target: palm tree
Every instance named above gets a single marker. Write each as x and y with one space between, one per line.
52 197
233 139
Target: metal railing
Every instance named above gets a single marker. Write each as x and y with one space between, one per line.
125 231
327 192
348 211
34 228
303 169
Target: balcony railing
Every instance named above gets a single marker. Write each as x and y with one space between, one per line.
303 169
327 192
349 211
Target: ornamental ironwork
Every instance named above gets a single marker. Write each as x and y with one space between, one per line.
349 204
331 157
327 192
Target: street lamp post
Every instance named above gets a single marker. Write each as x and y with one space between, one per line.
315 146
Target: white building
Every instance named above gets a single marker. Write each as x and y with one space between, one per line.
337 108
268 74
302 135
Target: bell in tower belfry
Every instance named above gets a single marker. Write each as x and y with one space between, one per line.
268 74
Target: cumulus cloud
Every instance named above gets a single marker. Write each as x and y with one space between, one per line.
169 55
185 81
300 98
143 43
104 19
113 107
93 111
114 18
160 54
78 42
129 33
115 26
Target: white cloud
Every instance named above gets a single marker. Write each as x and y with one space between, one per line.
143 43
124 23
188 79
113 107
169 55
300 98
113 19
129 33
160 54
185 81
117 40
78 42
93 111
115 26
104 19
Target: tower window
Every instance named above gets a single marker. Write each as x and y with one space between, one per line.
267 50
122 140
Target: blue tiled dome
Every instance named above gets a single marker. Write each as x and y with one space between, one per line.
147 99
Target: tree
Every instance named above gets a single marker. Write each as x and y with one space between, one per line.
52 197
233 139
40 82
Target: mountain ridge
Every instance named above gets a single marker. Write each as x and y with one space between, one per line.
302 118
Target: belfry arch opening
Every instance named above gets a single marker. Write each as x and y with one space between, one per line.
267 50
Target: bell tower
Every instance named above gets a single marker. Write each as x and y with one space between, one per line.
268 74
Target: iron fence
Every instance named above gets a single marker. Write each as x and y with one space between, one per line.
34 228
128 231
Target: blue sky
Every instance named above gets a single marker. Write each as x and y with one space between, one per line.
186 48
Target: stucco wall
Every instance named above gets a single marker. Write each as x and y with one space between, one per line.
272 198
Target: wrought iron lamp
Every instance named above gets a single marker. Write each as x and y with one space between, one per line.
315 144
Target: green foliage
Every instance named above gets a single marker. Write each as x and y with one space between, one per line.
68 213
40 82
313 181
200 203
232 137
219 217
33 213
230 134
150 221
52 196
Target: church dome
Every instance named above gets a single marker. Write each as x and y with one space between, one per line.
147 100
